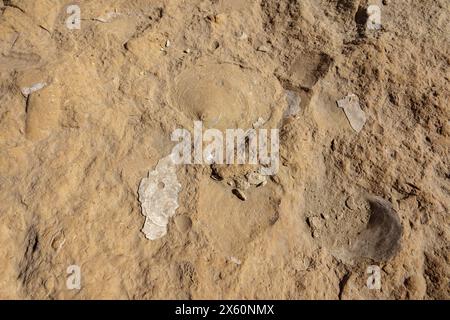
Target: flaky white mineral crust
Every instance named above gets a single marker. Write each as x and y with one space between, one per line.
158 195
355 115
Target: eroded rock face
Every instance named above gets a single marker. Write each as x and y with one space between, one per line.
43 112
73 154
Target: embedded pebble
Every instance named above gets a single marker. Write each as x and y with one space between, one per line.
58 241
183 223
325 216
315 223
350 203
240 194
242 184
242 36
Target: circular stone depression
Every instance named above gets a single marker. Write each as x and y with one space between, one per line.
224 95
380 240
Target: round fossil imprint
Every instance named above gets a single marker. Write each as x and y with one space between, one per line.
224 95
380 241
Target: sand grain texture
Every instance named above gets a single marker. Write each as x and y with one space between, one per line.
72 154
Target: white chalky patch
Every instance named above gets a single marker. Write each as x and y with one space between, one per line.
158 195
355 115
35 87
293 100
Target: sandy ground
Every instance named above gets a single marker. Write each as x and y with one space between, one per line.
73 153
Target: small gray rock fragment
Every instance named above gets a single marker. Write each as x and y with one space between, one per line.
158 195
355 115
